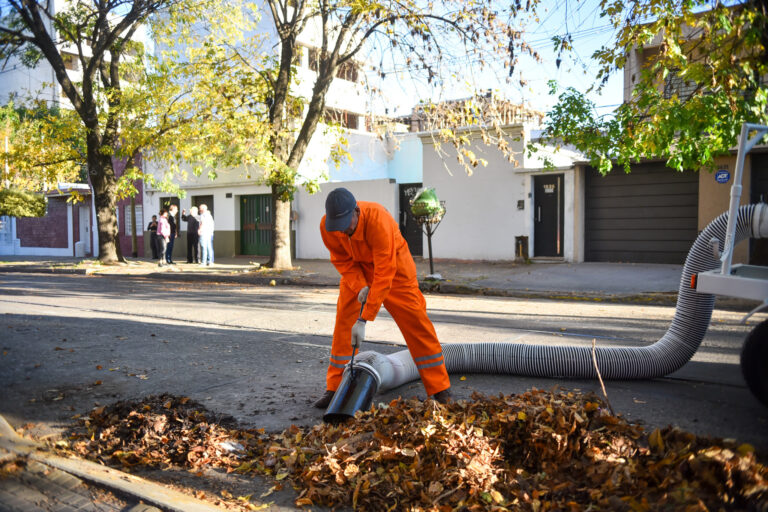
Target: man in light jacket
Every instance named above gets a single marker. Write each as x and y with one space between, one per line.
206 236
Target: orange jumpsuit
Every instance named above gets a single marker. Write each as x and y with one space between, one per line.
377 255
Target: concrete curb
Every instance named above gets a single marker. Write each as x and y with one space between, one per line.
426 286
149 492
39 269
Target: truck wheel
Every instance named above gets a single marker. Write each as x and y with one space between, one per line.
754 361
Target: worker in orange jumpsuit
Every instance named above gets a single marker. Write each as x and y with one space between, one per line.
376 268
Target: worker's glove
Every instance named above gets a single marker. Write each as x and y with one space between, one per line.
358 333
363 295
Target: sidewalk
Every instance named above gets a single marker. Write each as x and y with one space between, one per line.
625 282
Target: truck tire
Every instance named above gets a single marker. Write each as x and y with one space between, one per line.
754 361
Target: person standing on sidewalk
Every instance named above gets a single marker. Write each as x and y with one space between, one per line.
152 228
206 236
163 235
193 238
376 269
172 211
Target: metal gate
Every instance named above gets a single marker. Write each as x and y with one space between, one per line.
758 247
256 224
647 216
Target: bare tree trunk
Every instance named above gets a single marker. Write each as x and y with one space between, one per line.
280 257
104 185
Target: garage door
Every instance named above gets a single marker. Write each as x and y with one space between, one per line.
647 216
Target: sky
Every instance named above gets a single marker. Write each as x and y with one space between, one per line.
589 32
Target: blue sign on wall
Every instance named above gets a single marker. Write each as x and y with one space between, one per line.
722 176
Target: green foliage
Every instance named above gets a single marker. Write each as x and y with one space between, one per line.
704 77
17 203
43 146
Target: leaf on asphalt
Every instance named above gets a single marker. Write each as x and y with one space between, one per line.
535 451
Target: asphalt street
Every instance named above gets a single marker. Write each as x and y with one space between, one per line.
259 353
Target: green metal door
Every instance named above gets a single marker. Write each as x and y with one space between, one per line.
256 224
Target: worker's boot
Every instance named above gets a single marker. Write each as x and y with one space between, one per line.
325 399
443 397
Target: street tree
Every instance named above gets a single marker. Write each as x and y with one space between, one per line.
704 76
173 105
439 42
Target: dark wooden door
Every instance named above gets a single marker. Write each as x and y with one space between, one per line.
548 215
256 224
409 228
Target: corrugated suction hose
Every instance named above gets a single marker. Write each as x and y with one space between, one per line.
672 351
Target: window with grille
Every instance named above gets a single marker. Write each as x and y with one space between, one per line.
348 70
71 61
139 219
346 119
674 85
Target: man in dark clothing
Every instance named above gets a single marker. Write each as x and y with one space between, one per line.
172 211
193 237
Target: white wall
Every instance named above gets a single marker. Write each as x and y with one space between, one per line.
311 208
28 82
226 210
482 219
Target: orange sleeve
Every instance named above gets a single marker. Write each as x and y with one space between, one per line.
381 239
351 273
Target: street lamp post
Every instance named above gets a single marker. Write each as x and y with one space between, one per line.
429 224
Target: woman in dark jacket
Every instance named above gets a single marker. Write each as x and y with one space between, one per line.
152 228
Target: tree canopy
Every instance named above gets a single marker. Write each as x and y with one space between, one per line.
697 71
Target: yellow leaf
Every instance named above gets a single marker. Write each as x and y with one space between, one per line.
463 378
746 449
656 441
281 476
497 496
522 416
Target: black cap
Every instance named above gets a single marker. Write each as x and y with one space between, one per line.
339 207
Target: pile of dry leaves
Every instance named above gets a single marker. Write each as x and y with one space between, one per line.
158 431
536 451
